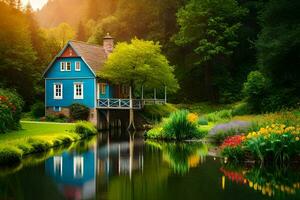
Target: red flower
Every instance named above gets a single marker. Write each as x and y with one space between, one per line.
233 141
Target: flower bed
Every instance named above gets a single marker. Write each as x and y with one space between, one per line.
10 110
277 143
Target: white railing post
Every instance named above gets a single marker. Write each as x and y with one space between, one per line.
130 97
108 103
120 103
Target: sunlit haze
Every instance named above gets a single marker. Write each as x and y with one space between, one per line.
36 4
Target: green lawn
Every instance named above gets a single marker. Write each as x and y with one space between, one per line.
34 137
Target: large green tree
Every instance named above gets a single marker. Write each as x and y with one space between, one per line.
210 27
139 63
278 47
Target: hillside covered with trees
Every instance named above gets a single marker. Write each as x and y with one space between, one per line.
223 51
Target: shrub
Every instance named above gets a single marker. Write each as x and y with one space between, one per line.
219 116
38 145
79 112
202 121
241 109
84 129
157 112
255 89
57 118
10 110
179 127
38 110
9 155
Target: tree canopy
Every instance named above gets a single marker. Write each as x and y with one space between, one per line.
139 63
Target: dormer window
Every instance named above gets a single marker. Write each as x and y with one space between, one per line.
65 66
77 66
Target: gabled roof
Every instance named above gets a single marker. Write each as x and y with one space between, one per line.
93 55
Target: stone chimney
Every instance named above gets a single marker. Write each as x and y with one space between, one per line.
108 44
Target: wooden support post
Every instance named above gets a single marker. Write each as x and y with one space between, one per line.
108 119
165 94
131 114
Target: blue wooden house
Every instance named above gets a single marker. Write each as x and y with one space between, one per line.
72 78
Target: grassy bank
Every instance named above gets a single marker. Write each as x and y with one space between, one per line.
35 137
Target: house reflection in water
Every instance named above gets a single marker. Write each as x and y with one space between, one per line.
77 175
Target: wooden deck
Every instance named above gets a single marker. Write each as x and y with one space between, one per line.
127 103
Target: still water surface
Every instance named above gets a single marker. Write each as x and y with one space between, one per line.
122 166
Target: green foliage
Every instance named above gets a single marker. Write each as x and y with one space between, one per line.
177 126
79 112
278 52
157 112
139 63
11 106
57 118
84 129
218 116
234 154
255 89
202 121
38 110
211 28
241 109
9 155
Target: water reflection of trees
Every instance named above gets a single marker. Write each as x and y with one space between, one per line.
181 156
271 181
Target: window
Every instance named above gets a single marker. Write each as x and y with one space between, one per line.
77 66
78 166
58 164
65 66
56 108
102 88
78 90
125 89
58 90
68 66
62 66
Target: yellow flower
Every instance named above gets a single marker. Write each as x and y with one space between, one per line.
192 117
297 138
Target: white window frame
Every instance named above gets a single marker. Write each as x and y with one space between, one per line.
68 63
76 96
77 66
62 66
78 163
61 91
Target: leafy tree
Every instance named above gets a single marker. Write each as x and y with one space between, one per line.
17 56
278 47
139 63
81 33
211 27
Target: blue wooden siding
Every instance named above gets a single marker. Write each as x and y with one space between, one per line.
67 79
108 92
68 92
54 71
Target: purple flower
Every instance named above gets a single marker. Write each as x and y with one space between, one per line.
234 126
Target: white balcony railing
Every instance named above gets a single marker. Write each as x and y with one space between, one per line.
127 103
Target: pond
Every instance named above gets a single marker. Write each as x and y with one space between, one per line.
123 166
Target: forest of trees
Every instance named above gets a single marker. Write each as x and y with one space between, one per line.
213 44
